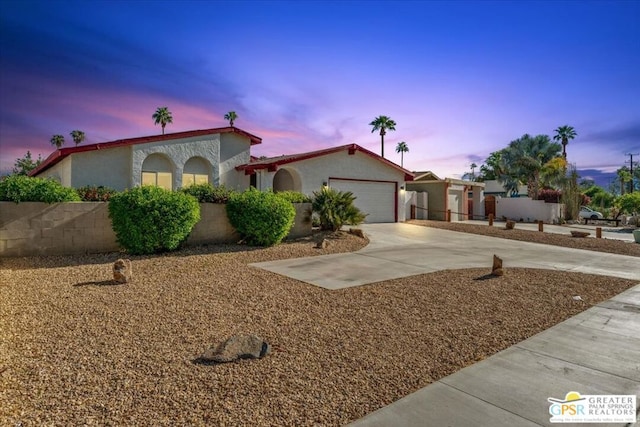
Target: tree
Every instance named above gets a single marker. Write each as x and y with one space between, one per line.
26 164
402 148
564 134
231 116
491 169
383 124
523 161
629 203
162 116
77 136
623 176
57 141
552 174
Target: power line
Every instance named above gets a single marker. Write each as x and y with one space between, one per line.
631 186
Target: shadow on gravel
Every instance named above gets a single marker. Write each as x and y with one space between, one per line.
486 277
101 283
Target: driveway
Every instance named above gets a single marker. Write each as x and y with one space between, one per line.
400 250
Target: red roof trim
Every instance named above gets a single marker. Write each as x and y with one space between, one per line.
268 164
61 153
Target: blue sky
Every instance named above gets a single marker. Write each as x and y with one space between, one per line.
461 79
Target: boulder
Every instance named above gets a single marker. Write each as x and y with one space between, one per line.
357 232
497 270
122 270
576 233
510 225
322 244
237 347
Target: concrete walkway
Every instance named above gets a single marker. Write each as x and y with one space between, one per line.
595 352
401 250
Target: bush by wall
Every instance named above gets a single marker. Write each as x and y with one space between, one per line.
207 193
95 194
261 218
150 219
294 196
21 188
335 208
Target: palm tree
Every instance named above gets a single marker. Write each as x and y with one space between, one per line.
77 136
473 167
383 124
524 159
564 134
57 141
231 116
162 116
402 148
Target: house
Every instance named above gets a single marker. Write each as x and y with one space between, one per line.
463 198
377 183
222 156
170 161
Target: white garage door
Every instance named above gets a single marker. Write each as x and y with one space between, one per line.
377 199
456 204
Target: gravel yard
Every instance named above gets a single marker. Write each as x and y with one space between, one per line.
76 349
498 230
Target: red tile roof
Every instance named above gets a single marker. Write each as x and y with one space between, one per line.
61 153
272 163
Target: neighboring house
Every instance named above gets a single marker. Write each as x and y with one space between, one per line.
170 161
495 188
463 198
222 157
377 183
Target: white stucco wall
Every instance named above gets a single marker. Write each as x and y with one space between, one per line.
110 168
179 151
234 151
528 210
61 172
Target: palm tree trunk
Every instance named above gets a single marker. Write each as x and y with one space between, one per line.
382 140
402 159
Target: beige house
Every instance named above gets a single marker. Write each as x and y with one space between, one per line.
464 199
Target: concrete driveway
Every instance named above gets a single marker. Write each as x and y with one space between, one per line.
400 250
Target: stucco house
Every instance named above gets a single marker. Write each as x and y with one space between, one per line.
463 198
222 156
377 182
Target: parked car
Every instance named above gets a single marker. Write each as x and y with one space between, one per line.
587 212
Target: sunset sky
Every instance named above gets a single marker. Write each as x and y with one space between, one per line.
461 79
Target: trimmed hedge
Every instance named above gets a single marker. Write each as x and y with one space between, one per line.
261 218
294 196
207 193
150 219
21 188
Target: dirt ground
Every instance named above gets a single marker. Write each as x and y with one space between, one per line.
76 349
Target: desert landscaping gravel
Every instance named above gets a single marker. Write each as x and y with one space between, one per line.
76 349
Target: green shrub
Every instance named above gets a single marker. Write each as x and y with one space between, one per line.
150 219
294 196
261 218
21 188
91 193
629 203
335 208
207 193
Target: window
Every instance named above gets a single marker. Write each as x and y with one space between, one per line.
160 179
194 178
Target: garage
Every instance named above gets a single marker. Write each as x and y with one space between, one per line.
375 198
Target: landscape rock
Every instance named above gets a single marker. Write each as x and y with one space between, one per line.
576 233
510 225
237 347
357 232
497 269
322 244
122 270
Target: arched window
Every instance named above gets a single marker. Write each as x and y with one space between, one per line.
196 171
156 170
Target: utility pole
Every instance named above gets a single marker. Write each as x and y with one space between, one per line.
632 187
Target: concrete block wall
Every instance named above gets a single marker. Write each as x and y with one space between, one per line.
29 228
